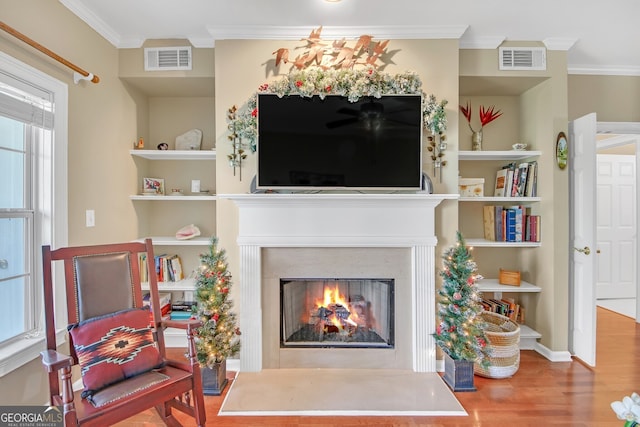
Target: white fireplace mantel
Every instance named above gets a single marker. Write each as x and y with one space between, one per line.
338 220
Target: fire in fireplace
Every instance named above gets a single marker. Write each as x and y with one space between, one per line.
345 313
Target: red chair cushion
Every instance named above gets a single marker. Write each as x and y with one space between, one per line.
114 347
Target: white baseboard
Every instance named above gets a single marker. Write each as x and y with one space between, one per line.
554 356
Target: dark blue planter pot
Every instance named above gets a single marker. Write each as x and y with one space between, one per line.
458 374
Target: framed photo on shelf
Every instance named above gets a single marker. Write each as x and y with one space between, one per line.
153 185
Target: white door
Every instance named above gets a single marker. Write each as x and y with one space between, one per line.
582 238
616 227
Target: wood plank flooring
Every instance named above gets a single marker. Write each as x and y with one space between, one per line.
541 393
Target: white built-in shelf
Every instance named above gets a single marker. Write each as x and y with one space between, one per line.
174 198
493 244
175 154
500 199
172 241
492 285
498 155
528 336
179 286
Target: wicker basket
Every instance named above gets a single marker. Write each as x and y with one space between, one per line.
503 337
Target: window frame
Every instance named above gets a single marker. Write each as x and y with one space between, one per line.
51 215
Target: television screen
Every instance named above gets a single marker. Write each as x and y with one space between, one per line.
331 143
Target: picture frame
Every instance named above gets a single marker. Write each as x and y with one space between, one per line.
153 186
562 150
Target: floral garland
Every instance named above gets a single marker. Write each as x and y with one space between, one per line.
351 83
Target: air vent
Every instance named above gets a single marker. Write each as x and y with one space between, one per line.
523 58
167 58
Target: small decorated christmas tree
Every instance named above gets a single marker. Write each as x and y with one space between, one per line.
218 337
460 332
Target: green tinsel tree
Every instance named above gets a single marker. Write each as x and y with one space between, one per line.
460 332
218 337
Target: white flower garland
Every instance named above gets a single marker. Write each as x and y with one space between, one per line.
351 83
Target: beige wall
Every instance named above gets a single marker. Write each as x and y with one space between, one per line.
102 127
612 98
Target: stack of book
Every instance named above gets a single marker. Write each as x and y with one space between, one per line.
510 224
517 180
182 310
506 306
168 268
165 303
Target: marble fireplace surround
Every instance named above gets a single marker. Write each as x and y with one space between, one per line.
327 220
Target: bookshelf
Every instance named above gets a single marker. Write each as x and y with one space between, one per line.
487 163
160 216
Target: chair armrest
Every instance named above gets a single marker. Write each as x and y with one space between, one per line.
55 360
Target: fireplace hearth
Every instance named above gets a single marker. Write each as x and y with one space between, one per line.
342 313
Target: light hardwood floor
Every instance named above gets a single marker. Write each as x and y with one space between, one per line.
541 393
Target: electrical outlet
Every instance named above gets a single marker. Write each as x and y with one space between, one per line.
90 218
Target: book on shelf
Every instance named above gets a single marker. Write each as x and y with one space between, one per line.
501 183
489 222
508 307
517 180
180 315
183 305
168 268
510 224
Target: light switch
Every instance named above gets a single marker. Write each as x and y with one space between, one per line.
90 218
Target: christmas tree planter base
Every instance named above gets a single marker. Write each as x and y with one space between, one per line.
214 379
458 374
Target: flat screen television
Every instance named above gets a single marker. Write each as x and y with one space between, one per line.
332 143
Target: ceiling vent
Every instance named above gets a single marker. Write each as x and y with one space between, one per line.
523 58
167 58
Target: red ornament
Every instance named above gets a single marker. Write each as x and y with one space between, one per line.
439 329
225 290
263 87
327 89
254 113
298 83
457 296
216 317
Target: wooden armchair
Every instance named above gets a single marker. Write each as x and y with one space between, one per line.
120 351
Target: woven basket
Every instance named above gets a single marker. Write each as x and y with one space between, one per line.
503 337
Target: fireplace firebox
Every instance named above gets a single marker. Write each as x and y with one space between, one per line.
337 313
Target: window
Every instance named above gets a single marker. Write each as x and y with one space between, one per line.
33 133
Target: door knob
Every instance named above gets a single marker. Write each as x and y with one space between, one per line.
585 250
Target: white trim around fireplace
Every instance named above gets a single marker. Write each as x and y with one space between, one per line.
338 220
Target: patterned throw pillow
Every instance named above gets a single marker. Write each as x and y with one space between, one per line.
114 347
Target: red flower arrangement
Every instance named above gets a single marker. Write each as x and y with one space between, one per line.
486 115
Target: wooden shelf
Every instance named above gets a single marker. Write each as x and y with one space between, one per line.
175 154
172 241
492 285
492 244
497 155
501 199
174 198
180 286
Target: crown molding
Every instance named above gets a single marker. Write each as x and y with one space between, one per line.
586 69
108 33
485 42
559 43
269 32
